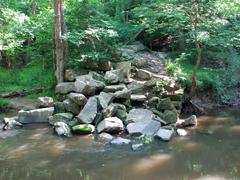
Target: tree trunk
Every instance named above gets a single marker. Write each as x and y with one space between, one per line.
59 42
193 77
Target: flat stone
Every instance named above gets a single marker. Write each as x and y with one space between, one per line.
143 128
35 116
165 134
64 88
138 98
115 88
105 99
78 98
110 125
89 112
120 141
140 115
124 94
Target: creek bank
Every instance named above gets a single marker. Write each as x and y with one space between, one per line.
118 102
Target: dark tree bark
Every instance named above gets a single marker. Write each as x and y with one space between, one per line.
60 45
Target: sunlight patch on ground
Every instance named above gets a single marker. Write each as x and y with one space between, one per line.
211 177
147 164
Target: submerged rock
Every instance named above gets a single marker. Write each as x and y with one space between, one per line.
60 117
64 88
83 129
62 129
137 147
110 125
120 141
89 112
35 116
11 123
44 102
165 134
105 137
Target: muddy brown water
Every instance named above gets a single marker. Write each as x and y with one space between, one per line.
212 151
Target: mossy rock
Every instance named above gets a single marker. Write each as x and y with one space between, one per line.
166 104
168 116
60 117
83 129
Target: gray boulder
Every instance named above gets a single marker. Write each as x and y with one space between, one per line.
62 129
120 141
125 71
78 98
70 106
117 110
44 102
64 88
124 94
60 117
35 116
105 99
140 115
112 77
89 112
110 125
143 128
191 121
165 134
70 75
87 85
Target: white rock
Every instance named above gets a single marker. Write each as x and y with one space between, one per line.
110 125
120 141
182 132
165 134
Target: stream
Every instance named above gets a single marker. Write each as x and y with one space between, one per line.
212 151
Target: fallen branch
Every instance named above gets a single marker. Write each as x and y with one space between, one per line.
23 92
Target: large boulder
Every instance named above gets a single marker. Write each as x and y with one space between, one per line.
143 128
139 115
60 117
83 129
64 88
78 98
165 134
110 125
87 85
35 116
72 107
89 112
105 99
70 75
62 129
44 102
114 88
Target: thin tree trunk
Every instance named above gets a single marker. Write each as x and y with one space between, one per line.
59 43
194 72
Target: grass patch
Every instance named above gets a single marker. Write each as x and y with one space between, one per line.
34 75
4 105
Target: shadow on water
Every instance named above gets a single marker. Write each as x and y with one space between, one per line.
209 152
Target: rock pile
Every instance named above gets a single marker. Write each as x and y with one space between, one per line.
122 100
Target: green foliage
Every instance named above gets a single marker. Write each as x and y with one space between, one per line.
4 104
